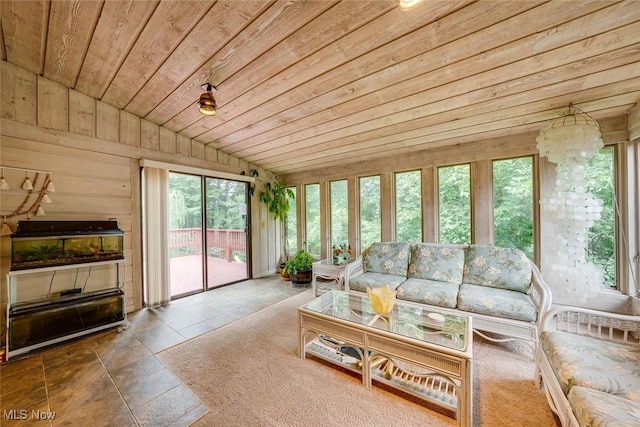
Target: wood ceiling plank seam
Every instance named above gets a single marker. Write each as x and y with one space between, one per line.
186 110
86 50
25 27
470 128
439 126
67 40
3 49
167 27
181 128
94 65
449 63
143 103
279 46
293 75
260 30
464 107
414 101
273 125
512 102
519 144
318 25
143 109
354 158
198 78
487 114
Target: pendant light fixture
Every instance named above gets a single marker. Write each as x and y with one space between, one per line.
207 102
408 4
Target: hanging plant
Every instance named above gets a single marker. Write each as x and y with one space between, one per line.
252 188
276 197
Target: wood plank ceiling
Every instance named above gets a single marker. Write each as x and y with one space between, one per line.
315 84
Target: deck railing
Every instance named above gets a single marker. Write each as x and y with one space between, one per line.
222 242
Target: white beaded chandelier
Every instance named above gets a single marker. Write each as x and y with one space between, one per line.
570 142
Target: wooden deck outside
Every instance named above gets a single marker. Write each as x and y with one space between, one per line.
186 273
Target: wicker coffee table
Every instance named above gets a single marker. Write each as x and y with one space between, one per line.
422 352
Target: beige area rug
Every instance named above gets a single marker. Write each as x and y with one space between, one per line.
248 373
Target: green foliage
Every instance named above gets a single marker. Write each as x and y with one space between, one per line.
254 173
339 213
276 197
409 206
455 204
601 249
291 224
370 217
312 213
223 198
300 262
513 204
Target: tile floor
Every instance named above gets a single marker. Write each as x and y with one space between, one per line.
113 378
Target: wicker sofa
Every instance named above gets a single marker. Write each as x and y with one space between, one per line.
499 287
589 364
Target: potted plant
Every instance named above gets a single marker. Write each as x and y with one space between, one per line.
299 267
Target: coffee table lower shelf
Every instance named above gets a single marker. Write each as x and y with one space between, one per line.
429 386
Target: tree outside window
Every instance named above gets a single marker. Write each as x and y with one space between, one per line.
454 204
292 225
600 177
513 204
312 213
339 213
370 218
408 206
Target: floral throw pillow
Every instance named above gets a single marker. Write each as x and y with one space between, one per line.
387 257
504 268
436 262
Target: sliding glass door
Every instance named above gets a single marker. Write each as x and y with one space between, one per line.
185 233
227 233
209 213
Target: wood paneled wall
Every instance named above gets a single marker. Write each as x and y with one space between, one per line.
92 150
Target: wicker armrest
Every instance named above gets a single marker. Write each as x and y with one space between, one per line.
596 323
353 269
540 292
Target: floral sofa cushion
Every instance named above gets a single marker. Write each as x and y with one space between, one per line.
596 408
429 292
607 366
387 257
375 280
504 268
436 262
496 302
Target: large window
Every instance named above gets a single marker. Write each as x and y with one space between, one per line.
339 213
408 206
513 204
600 177
312 213
370 219
291 226
454 204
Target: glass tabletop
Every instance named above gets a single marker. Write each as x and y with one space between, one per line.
409 320
335 261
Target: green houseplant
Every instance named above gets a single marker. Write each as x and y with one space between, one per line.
276 197
299 267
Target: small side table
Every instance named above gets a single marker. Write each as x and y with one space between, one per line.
329 269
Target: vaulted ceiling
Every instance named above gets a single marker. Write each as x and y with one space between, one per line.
312 84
